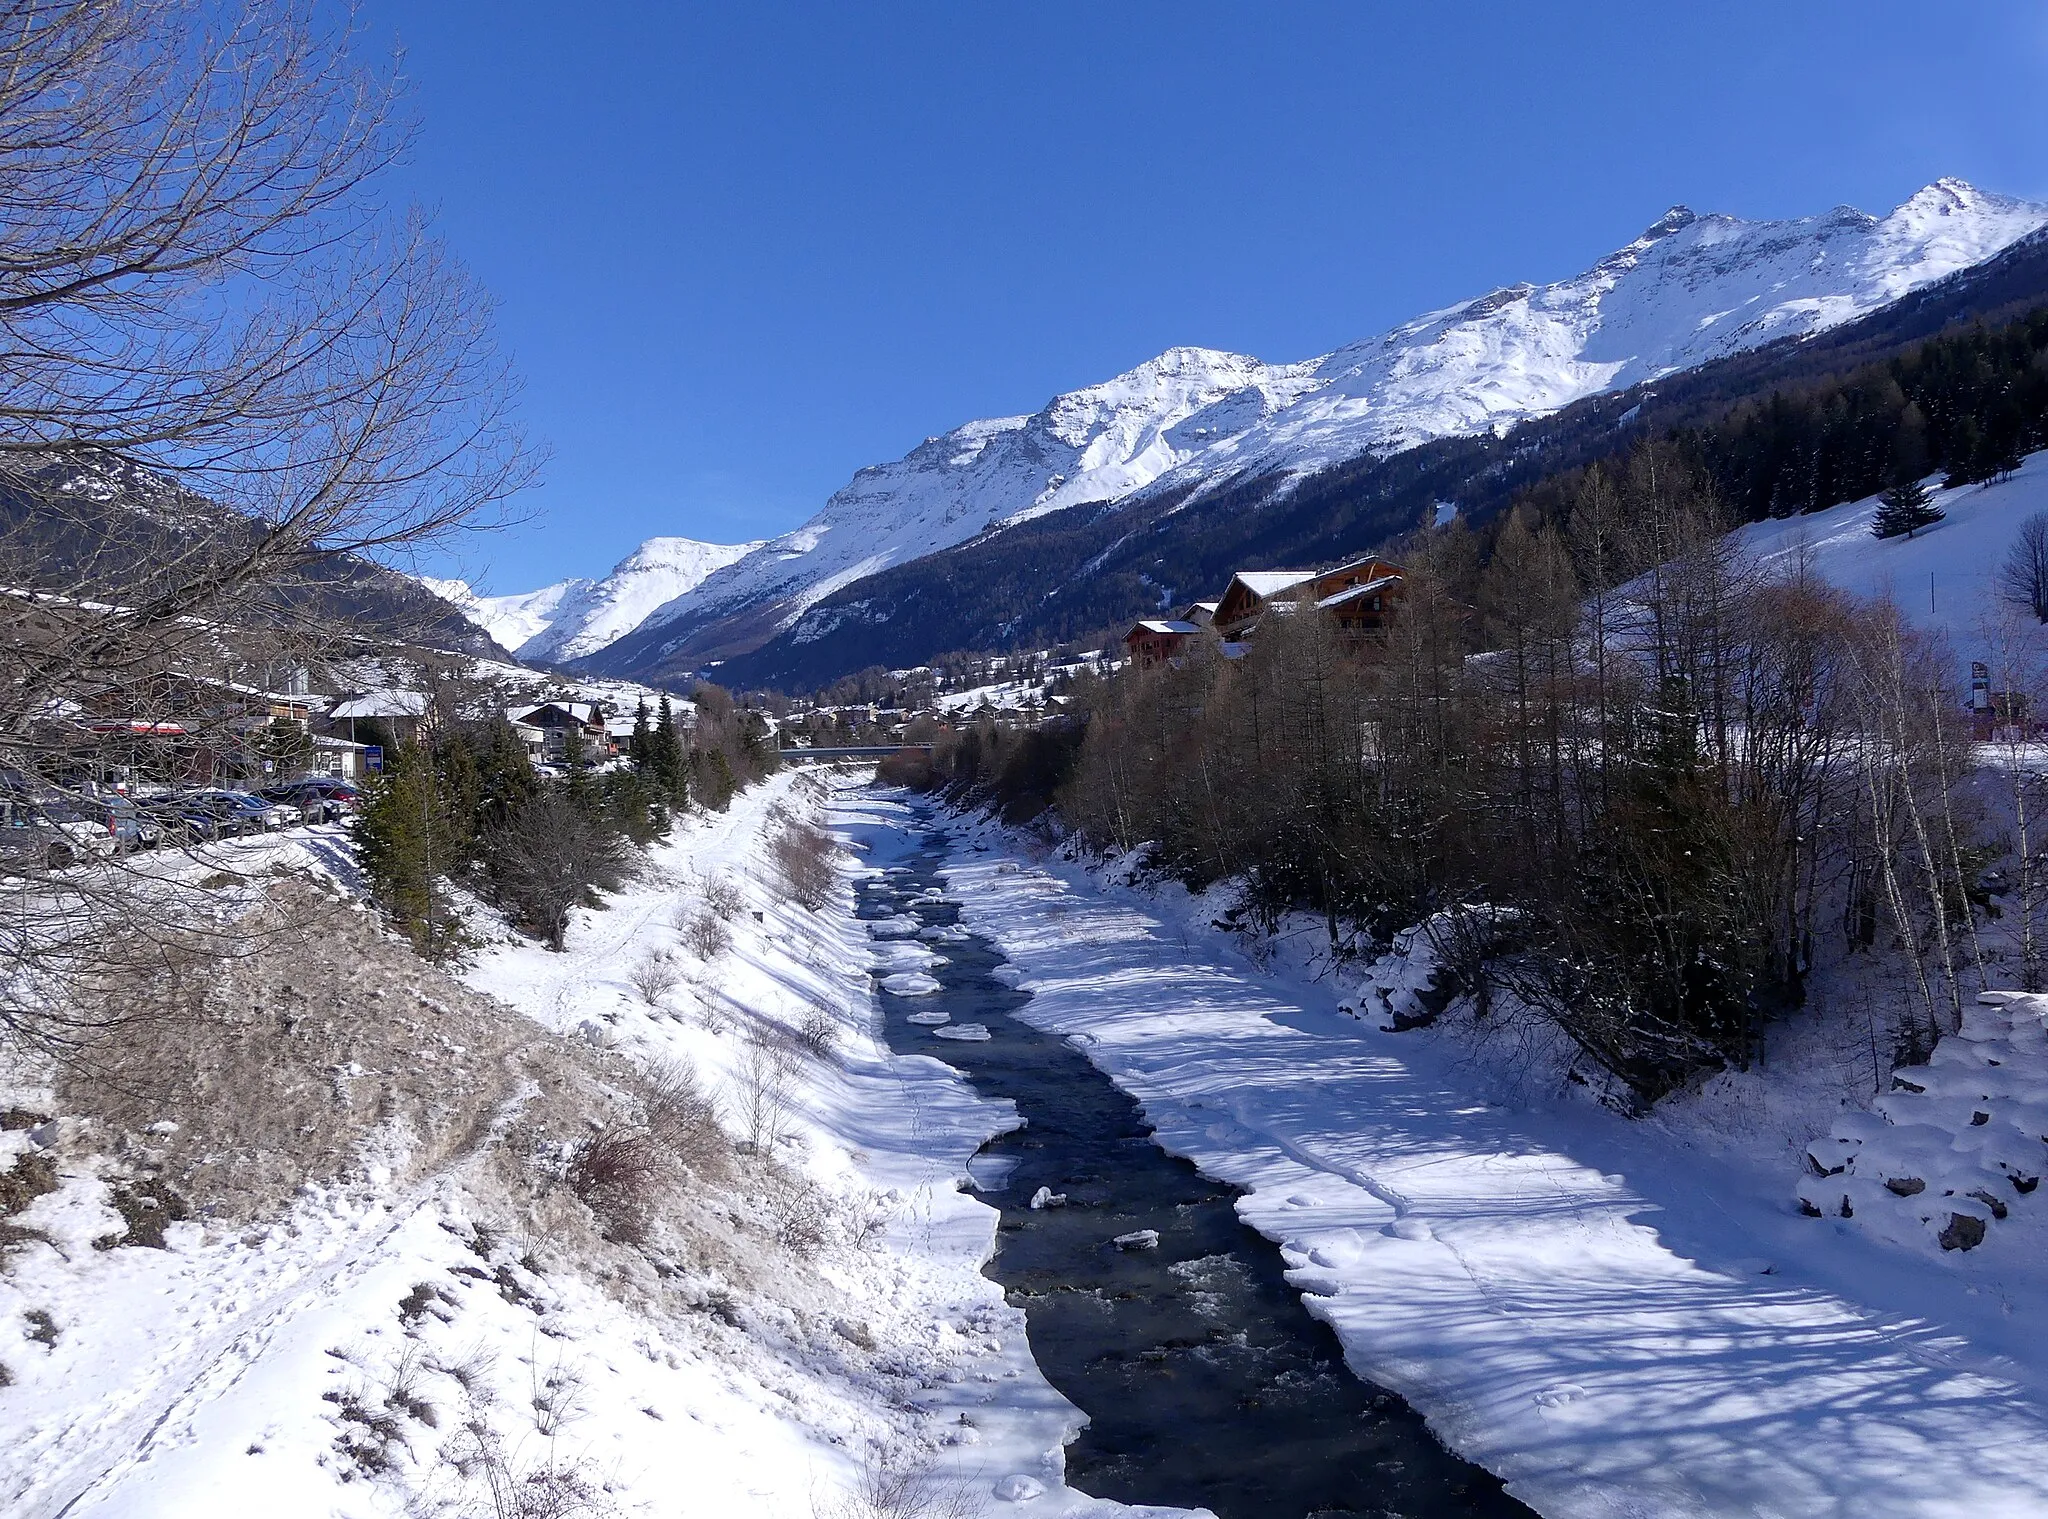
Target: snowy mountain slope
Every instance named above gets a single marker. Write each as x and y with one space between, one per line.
511 620
1095 444
1943 578
591 615
1691 289
573 618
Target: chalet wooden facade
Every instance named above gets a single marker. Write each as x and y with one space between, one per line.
1153 641
1358 595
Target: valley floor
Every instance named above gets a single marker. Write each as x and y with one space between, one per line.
1621 1319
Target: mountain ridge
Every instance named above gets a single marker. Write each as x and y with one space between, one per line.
1191 423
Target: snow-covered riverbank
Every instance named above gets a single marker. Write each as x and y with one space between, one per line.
387 1347
1610 1319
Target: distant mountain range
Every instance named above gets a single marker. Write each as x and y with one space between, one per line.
1146 450
563 622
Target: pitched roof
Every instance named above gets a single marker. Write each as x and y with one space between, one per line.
1263 583
381 704
1162 625
1352 593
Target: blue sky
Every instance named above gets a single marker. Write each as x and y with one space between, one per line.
742 250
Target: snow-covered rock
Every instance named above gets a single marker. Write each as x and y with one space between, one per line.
1957 1147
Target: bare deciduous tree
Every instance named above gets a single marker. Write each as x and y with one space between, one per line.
231 377
2023 576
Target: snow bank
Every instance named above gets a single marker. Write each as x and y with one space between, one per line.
1614 1322
1957 1148
398 1345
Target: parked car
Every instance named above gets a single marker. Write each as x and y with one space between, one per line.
180 820
131 826
239 812
319 798
38 831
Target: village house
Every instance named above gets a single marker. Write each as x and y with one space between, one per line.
1358 595
556 720
1153 641
396 714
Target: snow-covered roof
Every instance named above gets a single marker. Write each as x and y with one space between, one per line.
381 704
1352 593
1272 582
582 711
1163 625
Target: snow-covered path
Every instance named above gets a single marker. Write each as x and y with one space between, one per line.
1611 1344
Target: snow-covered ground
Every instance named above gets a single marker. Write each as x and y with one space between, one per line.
1622 1318
420 1334
1943 578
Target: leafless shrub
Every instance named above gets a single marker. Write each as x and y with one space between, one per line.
402 1391
549 858
618 1173
548 1489
886 1491
865 1215
682 1118
724 897
654 978
803 858
818 1035
471 1371
705 936
800 1214
766 1095
557 1397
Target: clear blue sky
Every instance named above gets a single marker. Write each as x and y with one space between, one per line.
742 250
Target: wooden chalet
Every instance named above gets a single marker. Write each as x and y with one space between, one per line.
556 720
1358 595
1153 641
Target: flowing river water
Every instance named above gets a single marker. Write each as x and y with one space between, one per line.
1205 1381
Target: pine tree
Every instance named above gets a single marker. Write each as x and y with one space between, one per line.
1905 507
665 750
639 748
407 840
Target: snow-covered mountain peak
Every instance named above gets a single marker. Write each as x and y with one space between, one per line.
1691 288
574 618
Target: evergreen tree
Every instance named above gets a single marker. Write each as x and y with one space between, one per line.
665 748
407 840
639 749
1905 507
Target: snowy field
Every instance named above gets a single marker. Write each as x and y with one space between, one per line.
1622 1319
1943 578
395 1344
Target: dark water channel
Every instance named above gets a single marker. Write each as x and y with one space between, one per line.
1206 1383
